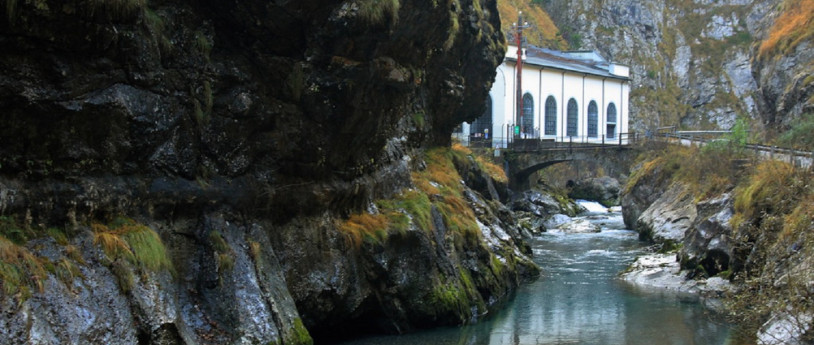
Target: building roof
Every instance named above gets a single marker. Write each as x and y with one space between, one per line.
587 62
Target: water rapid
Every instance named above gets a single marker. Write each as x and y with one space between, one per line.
579 300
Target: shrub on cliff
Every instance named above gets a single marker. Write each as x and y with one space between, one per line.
774 249
799 135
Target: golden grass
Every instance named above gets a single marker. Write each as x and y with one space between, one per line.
771 189
793 26
543 31
362 226
136 243
439 186
20 270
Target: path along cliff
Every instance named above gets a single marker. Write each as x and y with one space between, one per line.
246 172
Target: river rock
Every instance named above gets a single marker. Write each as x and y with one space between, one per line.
556 220
669 217
544 204
604 190
709 241
578 226
662 272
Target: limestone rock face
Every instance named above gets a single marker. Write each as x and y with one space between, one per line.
709 241
263 122
669 217
695 64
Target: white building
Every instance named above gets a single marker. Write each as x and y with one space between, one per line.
566 96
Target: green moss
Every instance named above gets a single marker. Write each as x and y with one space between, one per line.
11 10
203 44
452 30
224 255
124 276
450 298
296 81
300 336
12 230
670 246
418 119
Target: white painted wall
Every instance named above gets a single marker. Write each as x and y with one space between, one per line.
563 86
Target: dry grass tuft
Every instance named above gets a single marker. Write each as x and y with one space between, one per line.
125 240
365 226
20 270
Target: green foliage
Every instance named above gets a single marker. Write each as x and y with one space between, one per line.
418 119
452 30
224 255
115 9
11 10
10 229
376 11
203 44
733 144
20 270
125 241
136 243
799 135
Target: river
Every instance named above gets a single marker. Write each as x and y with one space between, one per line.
579 300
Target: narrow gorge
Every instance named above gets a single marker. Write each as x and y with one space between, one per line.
284 172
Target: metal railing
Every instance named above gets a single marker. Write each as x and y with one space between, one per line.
521 143
799 158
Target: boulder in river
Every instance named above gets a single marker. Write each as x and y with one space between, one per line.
604 190
579 226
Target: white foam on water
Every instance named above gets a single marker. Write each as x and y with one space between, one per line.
592 206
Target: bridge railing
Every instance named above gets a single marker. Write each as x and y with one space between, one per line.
523 143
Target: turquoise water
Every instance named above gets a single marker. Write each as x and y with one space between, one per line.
579 300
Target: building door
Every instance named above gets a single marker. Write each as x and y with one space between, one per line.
480 131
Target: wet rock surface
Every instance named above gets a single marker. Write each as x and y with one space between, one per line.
265 124
604 190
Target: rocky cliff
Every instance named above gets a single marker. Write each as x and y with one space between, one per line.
189 172
702 64
748 225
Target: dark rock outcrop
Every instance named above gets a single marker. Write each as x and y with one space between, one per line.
265 123
604 190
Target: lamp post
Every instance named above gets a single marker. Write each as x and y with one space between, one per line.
518 29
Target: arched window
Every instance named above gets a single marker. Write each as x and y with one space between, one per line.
527 122
550 116
593 120
611 127
572 119
484 122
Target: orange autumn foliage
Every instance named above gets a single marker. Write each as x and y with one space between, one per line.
793 26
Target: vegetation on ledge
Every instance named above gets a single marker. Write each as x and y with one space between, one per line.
773 219
794 26
439 185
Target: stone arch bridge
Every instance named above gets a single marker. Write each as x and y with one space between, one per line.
521 161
